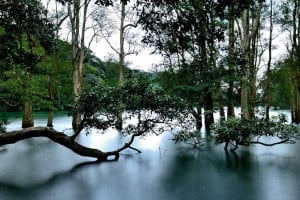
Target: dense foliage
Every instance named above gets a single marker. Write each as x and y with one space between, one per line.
246 132
148 109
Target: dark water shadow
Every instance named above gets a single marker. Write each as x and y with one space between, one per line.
55 178
3 149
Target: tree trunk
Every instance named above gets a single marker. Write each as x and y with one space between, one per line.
249 77
50 119
197 114
77 92
208 111
230 106
122 51
119 122
245 76
297 113
51 94
244 98
292 100
268 86
296 57
252 78
78 51
221 105
27 120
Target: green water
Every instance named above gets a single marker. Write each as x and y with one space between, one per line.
40 169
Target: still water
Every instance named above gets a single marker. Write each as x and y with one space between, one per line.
38 169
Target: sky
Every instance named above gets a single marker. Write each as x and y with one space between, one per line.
143 60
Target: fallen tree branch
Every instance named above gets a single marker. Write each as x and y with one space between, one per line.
286 141
58 137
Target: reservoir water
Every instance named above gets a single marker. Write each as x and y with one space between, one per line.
38 169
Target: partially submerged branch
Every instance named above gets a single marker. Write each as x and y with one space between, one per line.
58 137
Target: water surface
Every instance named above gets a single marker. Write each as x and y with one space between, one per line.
40 169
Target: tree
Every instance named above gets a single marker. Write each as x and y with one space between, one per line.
231 60
246 132
51 66
280 90
23 26
155 113
187 32
268 86
127 39
290 24
248 37
78 26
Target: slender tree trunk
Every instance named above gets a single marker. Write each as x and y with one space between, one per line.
245 76
27 120
297 113
208 111
50 119
221 105
51 98
253 76
122 51
197 113
51 93
292 100
296 56
268 86
244 98
248 81
119 122
230 106
78 52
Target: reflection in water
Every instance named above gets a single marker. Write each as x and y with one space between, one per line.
40 169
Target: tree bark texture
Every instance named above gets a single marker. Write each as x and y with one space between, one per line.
119 122
230 106
268 87
27 120
221 105
58 137
78 20
208 111
249 72
197 114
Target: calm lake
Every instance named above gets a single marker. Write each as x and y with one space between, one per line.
38 169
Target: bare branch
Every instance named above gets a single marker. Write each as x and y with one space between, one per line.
109 43
129 25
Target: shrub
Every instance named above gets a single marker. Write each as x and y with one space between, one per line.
241 131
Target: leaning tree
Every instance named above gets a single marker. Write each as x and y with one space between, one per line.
154 111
